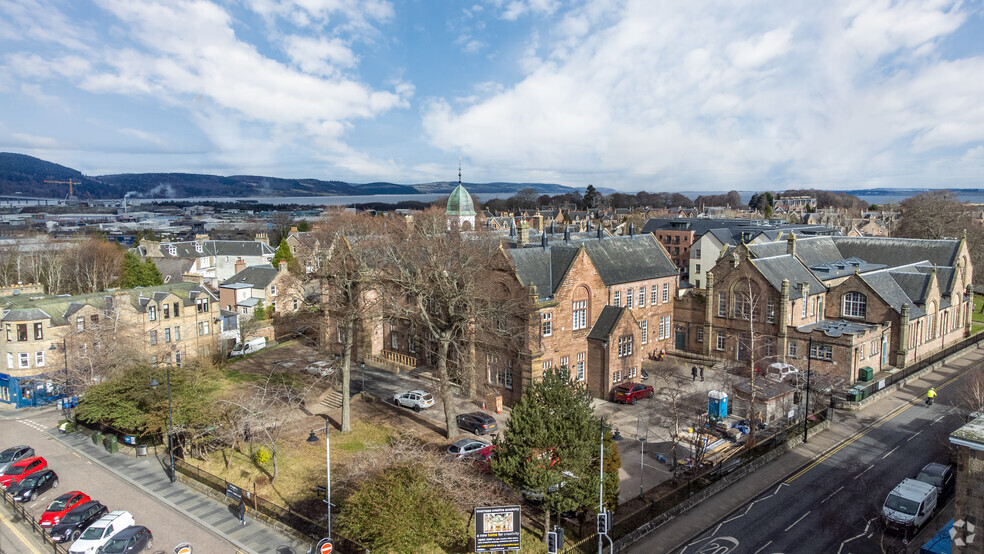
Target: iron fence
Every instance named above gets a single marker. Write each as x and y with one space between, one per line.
20 513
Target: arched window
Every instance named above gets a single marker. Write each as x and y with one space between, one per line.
855 305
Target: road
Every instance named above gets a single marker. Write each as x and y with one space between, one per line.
833 503
169 526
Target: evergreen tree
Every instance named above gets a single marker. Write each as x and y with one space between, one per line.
590 197
550 445
303 226
136 273
283 253
259 313
151 275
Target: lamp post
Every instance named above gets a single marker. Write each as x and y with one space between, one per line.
806 410
313 439
170 441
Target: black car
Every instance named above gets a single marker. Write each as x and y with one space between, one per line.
940 476
477 422
132 539
33 485
14 454
77 520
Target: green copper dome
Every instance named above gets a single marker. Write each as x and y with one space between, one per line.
460 203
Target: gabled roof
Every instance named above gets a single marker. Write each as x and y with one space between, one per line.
30 314
188 249
887 287
841 268
543 268
777 268
899 251
257 276
629 259
606 323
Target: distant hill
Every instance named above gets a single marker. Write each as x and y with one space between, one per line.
21 174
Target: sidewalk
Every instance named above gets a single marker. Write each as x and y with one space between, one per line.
149 475
676 532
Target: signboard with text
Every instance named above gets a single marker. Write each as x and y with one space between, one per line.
497 528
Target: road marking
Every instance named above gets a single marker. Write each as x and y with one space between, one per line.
832 494
797 521
865 471
763 547
863 533
76 454
913 436
887 454
19 536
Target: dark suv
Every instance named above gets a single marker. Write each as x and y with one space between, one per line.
132 539
77 520
940 476
477 422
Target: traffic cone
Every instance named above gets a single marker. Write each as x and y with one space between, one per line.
483 405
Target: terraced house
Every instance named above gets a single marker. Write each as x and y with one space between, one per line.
852 305
50 341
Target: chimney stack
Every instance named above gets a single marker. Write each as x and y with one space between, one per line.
522 233
282 266
262 237
240 265
791 244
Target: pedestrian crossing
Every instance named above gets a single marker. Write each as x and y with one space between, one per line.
34 425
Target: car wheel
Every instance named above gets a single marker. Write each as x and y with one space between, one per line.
396 403
33 497
54 484
633 401
150 544
417 408
76 534
652 393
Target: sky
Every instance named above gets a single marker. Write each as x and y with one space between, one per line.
626 94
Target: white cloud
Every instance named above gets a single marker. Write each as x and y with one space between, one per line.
320 56
144 136
719 96
511 10
24 140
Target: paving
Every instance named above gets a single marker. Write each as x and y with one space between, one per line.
148 474
846 427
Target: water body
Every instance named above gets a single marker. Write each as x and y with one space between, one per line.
878 196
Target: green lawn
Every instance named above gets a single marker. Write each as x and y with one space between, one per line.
977 315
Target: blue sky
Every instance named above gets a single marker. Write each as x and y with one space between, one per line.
631 95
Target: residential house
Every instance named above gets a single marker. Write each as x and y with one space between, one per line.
214 261
273 287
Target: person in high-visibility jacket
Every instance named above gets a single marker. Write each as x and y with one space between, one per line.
930 395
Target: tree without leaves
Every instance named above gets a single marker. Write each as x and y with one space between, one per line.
939 214
550 444
454 290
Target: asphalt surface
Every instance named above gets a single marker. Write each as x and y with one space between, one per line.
826 496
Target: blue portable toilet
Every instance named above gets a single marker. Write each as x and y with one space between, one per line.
717 404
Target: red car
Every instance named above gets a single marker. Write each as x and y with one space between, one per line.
61 506
629 393
22 469
484 457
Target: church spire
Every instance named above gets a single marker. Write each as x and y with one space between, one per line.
459 171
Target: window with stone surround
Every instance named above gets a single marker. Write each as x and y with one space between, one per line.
855 305
624 346
580 314
546 325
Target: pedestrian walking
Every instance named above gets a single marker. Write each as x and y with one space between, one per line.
701 373
242 510
693 373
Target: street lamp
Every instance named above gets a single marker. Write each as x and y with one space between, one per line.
170 441
312 438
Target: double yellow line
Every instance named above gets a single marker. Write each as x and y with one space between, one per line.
881 421
14 530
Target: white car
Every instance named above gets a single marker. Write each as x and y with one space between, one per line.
537 496
101 531
416 399
323 369
780 371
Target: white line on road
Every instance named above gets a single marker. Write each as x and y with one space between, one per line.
797 521
913 436
937 420
863 533
890 451
865 471
831 494
763 547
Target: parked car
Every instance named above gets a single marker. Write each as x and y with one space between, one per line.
630 393
101 531
14 454
462 448
30 487
77 519
477 422
251 346
780 372
61 506
484 457
131 539
536 497
416 399
323 369
940 476
21 469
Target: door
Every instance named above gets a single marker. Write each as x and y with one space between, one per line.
681 340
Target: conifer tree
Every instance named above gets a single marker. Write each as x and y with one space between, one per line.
282 254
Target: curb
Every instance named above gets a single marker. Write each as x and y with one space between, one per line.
239 546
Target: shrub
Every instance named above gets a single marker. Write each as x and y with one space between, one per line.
262 456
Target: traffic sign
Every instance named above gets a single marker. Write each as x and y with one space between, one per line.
325 547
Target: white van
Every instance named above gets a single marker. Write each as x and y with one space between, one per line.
910 504
252 345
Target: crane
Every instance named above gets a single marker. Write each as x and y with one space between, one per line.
69 182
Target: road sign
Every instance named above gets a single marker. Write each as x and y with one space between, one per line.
497 528
183 548
325 546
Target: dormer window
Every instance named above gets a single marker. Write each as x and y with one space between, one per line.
172 250
198 247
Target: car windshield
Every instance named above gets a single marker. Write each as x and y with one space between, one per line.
93 533
29 481
72 517
899 504
115 545
14 470
935 480
7 455
57 505
454 449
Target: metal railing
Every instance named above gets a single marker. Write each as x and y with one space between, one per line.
21 514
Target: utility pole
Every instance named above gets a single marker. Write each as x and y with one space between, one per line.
806 411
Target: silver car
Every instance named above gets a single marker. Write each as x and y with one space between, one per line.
14 454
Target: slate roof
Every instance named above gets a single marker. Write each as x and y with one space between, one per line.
217 248
842 268
30 314
605 323
174 268
899 251
629 259
887 287
59 308
544 268
777 268
258 276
